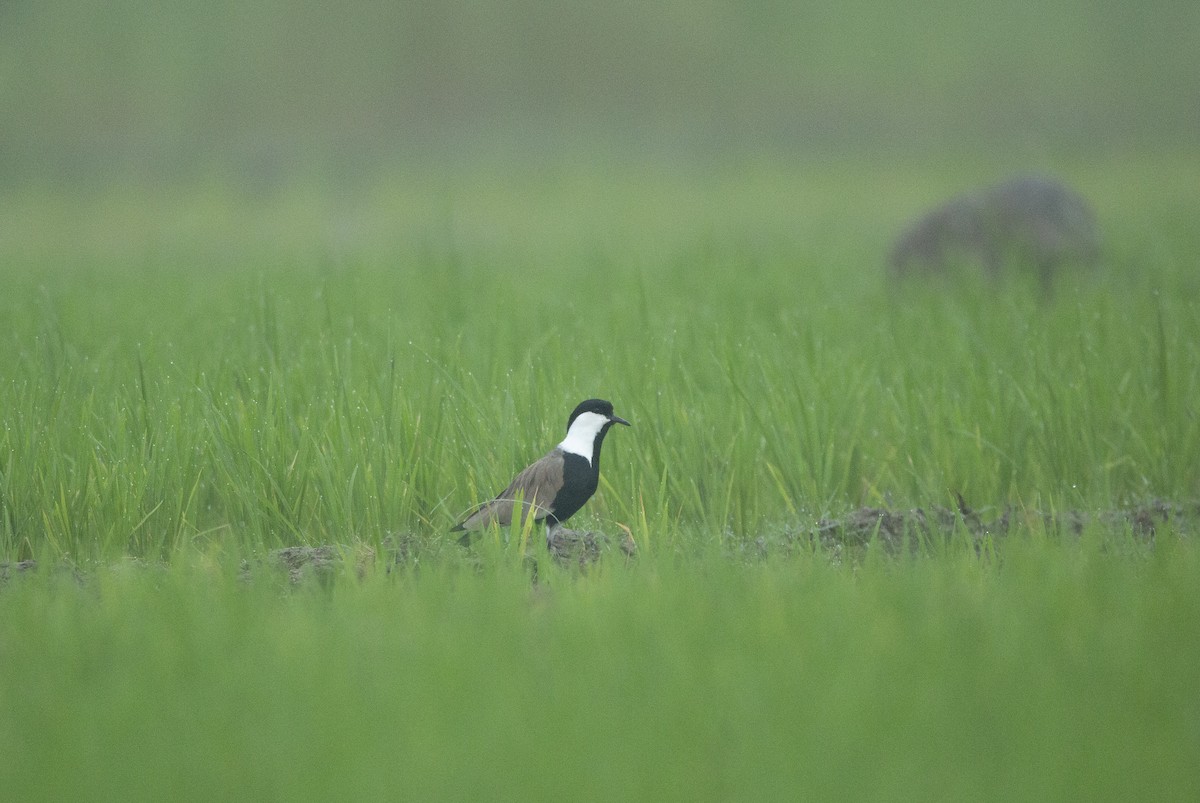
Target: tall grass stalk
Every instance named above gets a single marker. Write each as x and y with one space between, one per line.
260 401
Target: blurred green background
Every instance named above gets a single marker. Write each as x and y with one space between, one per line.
262 94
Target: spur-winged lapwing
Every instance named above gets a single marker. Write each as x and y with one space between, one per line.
555 487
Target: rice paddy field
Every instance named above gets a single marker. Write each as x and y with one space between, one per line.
865 540
173 423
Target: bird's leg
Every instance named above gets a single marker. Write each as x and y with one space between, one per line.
551 530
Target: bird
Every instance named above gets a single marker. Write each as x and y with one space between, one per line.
555 487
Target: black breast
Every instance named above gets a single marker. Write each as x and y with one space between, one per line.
579 483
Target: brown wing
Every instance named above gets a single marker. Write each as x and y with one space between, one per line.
537 486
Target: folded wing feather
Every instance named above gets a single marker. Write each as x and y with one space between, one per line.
537 486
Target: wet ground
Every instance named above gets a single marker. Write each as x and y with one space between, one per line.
894 530
895 527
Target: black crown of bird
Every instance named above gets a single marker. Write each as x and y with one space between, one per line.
555 487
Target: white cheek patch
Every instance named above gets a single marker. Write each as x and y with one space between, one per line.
582 435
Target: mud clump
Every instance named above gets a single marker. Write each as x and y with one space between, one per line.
320 561
1026 222
583 547
12 569
900 530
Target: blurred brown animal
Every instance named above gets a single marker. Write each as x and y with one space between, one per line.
1032 221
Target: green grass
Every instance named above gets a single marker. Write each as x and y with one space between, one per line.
190 381
222 391
1063 672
